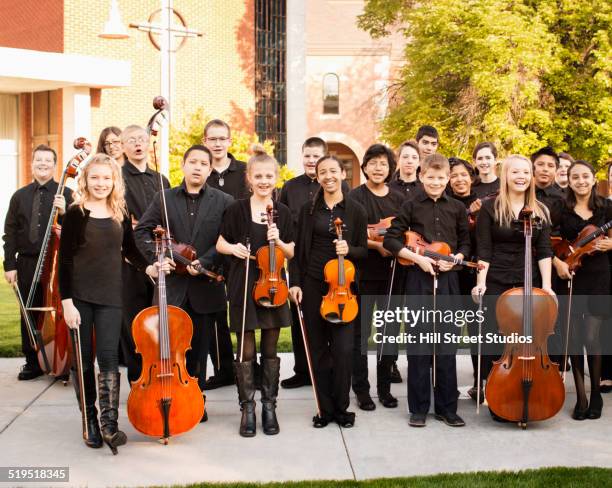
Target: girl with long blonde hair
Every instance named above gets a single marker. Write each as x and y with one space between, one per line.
501 243
96 237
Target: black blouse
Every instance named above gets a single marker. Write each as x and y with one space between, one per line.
237 226
504 247
74 243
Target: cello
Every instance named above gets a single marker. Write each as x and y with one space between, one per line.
51 334
270 289
524 384
339 306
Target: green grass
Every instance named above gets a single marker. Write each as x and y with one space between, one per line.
10 336
557 477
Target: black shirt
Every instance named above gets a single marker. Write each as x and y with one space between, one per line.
140 188
375 267
408 189
486 189
192 204
504 247
562 191
442 220
18 218
232 180
323 236
299 190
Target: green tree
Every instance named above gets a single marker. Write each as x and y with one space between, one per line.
190 133
522 74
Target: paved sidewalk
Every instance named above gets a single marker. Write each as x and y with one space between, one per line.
40 426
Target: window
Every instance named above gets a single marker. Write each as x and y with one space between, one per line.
331 94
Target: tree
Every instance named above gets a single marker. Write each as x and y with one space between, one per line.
523 74
190 133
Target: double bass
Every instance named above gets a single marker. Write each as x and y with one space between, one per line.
270 289
524 384
339 306
51 334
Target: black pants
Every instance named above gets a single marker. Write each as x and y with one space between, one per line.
299 353
420 359
331 349
220 345
26 266
197 357
137 295
371 294
105 320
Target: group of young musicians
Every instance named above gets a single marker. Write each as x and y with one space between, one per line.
227 210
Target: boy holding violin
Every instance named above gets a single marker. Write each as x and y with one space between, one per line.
380 202
194 212
437 217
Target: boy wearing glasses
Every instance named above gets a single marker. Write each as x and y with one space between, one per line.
141 187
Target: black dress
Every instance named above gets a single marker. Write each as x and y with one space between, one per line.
237 226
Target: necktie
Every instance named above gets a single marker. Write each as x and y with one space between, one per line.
35 218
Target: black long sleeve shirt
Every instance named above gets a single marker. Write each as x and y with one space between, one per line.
444 219
408 189
17 224
231 181
140 188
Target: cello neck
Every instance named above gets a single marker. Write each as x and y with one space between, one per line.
162 304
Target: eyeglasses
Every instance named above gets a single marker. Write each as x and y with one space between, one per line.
134 140
214 140
112 143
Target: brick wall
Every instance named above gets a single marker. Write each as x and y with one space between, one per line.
32 24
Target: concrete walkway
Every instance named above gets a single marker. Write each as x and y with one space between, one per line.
40 426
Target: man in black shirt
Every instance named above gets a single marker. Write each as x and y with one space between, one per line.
545 163
24 228
228 175
195 213
141 186
406 180
428 140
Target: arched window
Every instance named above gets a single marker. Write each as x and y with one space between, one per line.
331 94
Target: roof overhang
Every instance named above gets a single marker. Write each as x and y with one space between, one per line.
23 70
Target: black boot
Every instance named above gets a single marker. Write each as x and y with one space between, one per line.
108 384
245 377
269 392
92 436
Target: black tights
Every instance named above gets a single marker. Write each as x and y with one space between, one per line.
586 333
269 339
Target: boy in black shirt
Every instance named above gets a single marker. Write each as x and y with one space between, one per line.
380 202
435 216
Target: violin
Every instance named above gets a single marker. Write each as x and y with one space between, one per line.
339 306
376 232
51 334
524 384
165 400
473 216
584 245
270 289
437 250
185 254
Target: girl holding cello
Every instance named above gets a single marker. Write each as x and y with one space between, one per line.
584 207
242 231
501 243
96 236
331 344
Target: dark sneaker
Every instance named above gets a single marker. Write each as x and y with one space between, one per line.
473 394
296 381
218 381
396 377
451 419
387 400
29 372
345 419
417 420
365 402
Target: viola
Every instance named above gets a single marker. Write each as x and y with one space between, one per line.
165 400
437 250
339 306
185 254
524 384
270 289
376 232
584 245
51 334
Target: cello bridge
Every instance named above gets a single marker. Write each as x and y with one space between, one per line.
164 375
526 358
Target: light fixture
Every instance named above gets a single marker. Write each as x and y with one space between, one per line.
113 27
